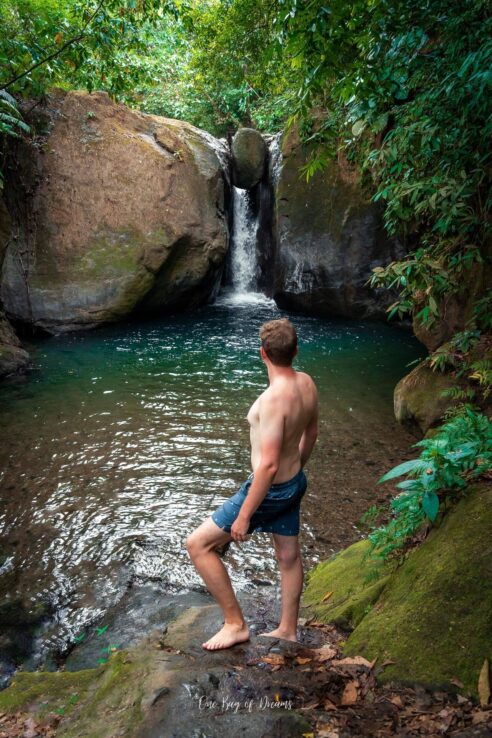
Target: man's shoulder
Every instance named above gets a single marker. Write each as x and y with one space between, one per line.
307 378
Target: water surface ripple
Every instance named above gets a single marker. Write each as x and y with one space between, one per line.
121 440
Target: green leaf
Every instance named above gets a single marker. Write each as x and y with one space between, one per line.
430 504
407 466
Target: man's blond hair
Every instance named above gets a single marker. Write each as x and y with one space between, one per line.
279 339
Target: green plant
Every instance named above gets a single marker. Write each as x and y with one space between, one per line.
460 452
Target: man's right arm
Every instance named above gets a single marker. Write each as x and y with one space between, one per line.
309 436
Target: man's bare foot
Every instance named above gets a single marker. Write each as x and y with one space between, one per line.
280 633
227 636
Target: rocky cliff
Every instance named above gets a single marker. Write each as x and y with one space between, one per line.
329 236
112 212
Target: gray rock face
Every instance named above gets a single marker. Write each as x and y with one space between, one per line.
127 214
248 158
329 237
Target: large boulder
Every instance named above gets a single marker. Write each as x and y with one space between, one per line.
248 158
118 211
419 401
329 237
13 358
427 614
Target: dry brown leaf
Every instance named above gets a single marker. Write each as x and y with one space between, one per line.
484 684
327 733
350 693
302 660
396 700
327 596
329 705
480 717
355 661
310 705
388 662
276 667
324 653
275 659
457 683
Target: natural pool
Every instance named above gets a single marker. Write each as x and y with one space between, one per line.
121 440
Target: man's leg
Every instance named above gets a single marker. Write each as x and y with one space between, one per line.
201 546
291 575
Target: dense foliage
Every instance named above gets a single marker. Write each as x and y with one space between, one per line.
460 452
402 86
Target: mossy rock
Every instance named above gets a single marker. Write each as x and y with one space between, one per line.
115 689
355 581
419 402
432 615
43 692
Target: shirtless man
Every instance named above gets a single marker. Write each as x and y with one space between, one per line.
284 428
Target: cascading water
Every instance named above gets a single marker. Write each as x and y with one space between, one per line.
243 245
243 267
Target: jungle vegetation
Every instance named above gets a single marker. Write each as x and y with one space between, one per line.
400 87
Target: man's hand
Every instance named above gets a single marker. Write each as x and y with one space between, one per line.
239 528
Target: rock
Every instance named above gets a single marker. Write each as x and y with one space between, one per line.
13 358
329 237
368 578
455 311
122 212
418 400
248 158
433 616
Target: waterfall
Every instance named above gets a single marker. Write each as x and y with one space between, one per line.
243 243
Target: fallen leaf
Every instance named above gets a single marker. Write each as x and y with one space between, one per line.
324 653
301 660
327 596
276 667
329 705
355 661
480 717
396 700
388 662
484 684
350 694
310 705
457 682
275 659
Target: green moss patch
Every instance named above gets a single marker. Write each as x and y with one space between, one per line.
434 616
46 691
355 580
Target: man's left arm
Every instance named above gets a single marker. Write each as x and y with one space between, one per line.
271 431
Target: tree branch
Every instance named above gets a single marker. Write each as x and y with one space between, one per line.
59 51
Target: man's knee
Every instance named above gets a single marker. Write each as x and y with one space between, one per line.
288 556
193 544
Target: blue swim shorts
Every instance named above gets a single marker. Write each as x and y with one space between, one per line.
277 513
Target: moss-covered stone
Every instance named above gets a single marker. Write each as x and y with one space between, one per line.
42 692
419 402
432 616
82 697
355 580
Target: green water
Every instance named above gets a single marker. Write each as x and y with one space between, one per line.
121 440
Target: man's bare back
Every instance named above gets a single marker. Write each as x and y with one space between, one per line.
294 397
